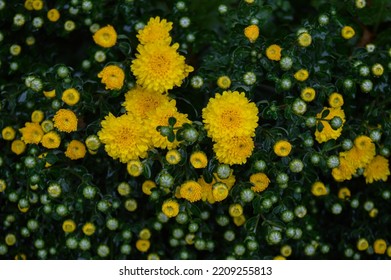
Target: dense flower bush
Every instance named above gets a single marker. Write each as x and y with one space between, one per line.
150 129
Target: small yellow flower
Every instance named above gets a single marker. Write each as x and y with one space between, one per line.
336 100
173 156
308 94
380 246
170 208
362 244
47 125
373 213
279 258
10 239
223 82
155 32
220 191
53 15
3 185
377 69
31 133
105 37
304 39
143 245
18 147
347 32
123 189
198 159
75 150
135 168
282 148
301 75
286 250
131 205
92 142
318 189
344 193
260 182
37 5
113 77
273 52
65 120
191 191
51 140
147 186
28 4
50 93
54 190
377 169
88 229
145 234
251 32
37 116
234 150
235 210
70 96
240 220
68 226
8 133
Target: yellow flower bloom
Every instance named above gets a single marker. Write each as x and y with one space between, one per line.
191 191
170 208
147 186
282 148
344 193
344 171
3 185
28 4
50 93
251 32
301 75
8 133
319 189
160 117
220 191
123 189
143 245
135 168
131 205
105 37
53 15
31 133
75 150
37 5
240 220
260 182
363 152
155 32
347 32
51 140
18 147
113 77
377 169
37 116
362 244
273 52
279 258
336 100
235 210
10 239
124 137
159 67
173 157
235 150
328 132
377 69
92 142
379 246
70 96
142 102
304 39
68 226
65 120
286 250
206 191
88 229
145 234
224 82
230 114
198 159
308 94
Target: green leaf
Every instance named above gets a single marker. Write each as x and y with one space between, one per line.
325 113
172 121
320 126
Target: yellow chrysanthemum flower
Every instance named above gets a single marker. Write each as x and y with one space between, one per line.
365 149
344 171
344 193
18 147
143 245
8 133
155 32
224 82
170 208
318 189
113 77
159 67
379 246
105 37
135 168
70 96
3 185
53 15
328 132
308 94
50 93
260 182
147 186
362 244
230 114
160 117
68 226
28 4
251 32
124 137
173 156
235 210
141 102
347 32
191 191
235 150
239 221
304 39
282 148
51 140
336 100
37 116
31 133
273 52
88 229
220 191
301 75
377 170
206 191
198 159
10 239
65 120
75 150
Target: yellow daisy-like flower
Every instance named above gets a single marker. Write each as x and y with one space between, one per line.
160 117
8 133
53 15
147 186
143 245
251 32
304 39
68 226
235 150
377 170
191 191
18 147
206 192
75 150
3 185
31 133
141 102
235 210
156 32
301 75
380 246
198 159
344 171
362 244
240 220
123 189
328 132
105 37
260 182
230 114
51 140
37 116
170 208
362 153
347 32
89 229
377 69
308 94
159 67
70 96
318 189
173 156
344 193
220 191
50 93
28 4
273 52
224 82
124 137
65 120
336 100
135 168
282 148
113 77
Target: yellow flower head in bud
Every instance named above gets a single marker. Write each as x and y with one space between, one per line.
286 250
373 213
260 182
92 142
301 75
380 246
198 159
65 120
147 186
37 116
362 244
223 82
240 220
10 239
131 205
145 234
18 147
53 15
89 229
336 100
37 5
220 191
113 77
123 189
273 52
28 4
8 133
279 258
344 193
377 69
318 189
308 94
135 168
251 32
68 226
47 125
50 93
191 190
51 140
347 32
105 37
304 39
76 150
70 96
3 185
282 148
235 210
173 156
170 208
143 245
